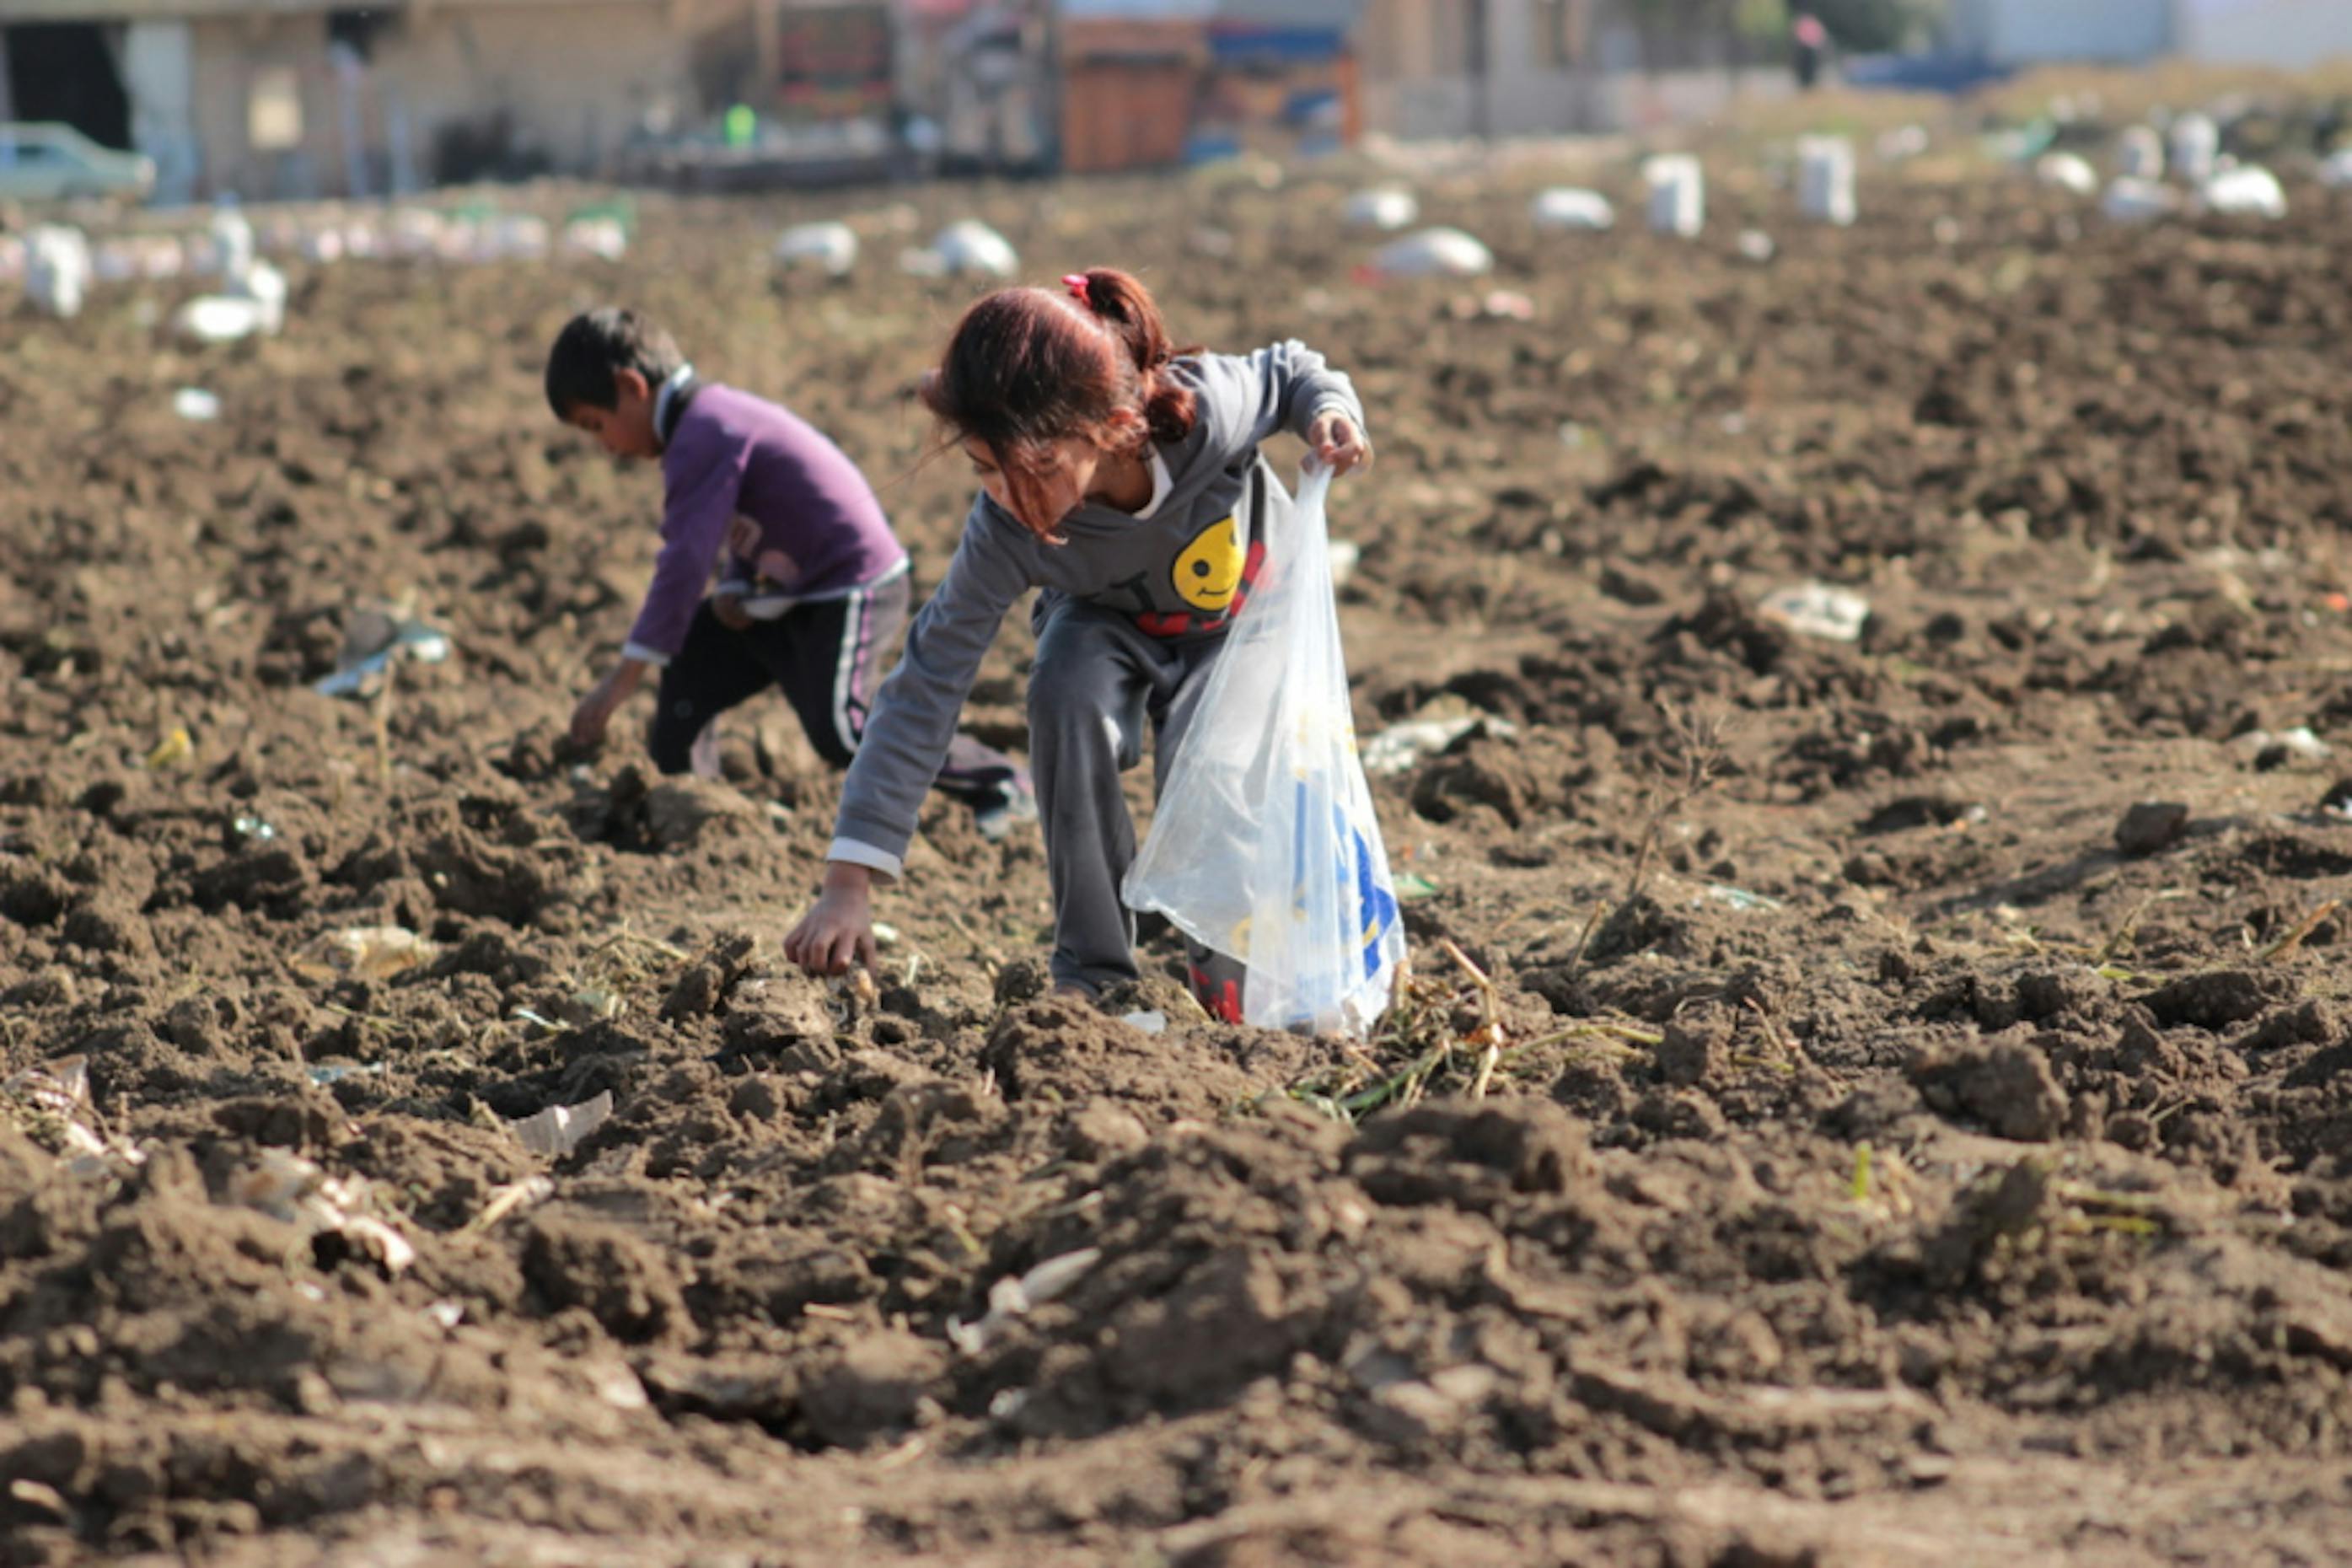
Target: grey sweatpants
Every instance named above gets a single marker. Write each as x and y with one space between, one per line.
1098 681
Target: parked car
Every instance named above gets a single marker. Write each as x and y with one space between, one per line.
51 163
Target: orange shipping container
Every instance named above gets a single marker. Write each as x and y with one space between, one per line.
1126 114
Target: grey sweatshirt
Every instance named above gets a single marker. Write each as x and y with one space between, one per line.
1179 566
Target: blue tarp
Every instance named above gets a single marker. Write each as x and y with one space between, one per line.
1238 42
1921 73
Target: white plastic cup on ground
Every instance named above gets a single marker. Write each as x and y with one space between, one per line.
1825 179
1568 209
1386 209
2196 143
58 269
1677 194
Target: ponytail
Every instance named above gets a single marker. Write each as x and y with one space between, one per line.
1123 305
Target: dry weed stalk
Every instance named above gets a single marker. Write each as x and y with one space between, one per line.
1488 1036
2294 937
1699 745
2119 940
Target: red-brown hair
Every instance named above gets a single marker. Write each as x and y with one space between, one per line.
1028 367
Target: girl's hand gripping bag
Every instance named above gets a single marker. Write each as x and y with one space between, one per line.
1265 846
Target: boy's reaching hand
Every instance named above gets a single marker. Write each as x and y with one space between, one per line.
1339 443
839 931
594 713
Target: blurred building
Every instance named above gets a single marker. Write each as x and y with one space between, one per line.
298 98
2294 34
976 82
2289 33
2024 32
1145 83
1519 68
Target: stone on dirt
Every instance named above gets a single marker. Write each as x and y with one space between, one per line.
2150 825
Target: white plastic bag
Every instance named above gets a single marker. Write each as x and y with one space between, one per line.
1435 253
58 269
1265 846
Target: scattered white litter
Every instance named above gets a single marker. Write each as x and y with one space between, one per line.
1013 1298
1825 179
233 247
372 952
972 247
606 238
266 288
559 1130
1435 253
1818 610
194 403
2067 172
1499 305
1388 209
1396 749
253 304
1756 246
58 269
218 319
2139 155
1677 194
372 643
1148 1021
510 1199
2298 744
2196 143
61 1090
2136 199
2247 191
830 247
288 1187
1567 209
2337 170
619 1387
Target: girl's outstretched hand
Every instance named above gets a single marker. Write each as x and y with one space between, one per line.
1339 443
839 931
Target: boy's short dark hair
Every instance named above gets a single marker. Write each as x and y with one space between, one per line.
595 345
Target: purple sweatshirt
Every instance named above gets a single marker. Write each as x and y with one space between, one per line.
744 477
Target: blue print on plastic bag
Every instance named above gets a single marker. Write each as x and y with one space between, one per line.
1375 903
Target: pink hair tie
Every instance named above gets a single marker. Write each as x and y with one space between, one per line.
1076 282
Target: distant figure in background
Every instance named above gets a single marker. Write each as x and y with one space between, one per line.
815 590
1809 41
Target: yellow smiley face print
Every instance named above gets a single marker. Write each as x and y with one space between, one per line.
1209 569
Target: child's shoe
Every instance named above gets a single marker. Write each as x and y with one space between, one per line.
1015 804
